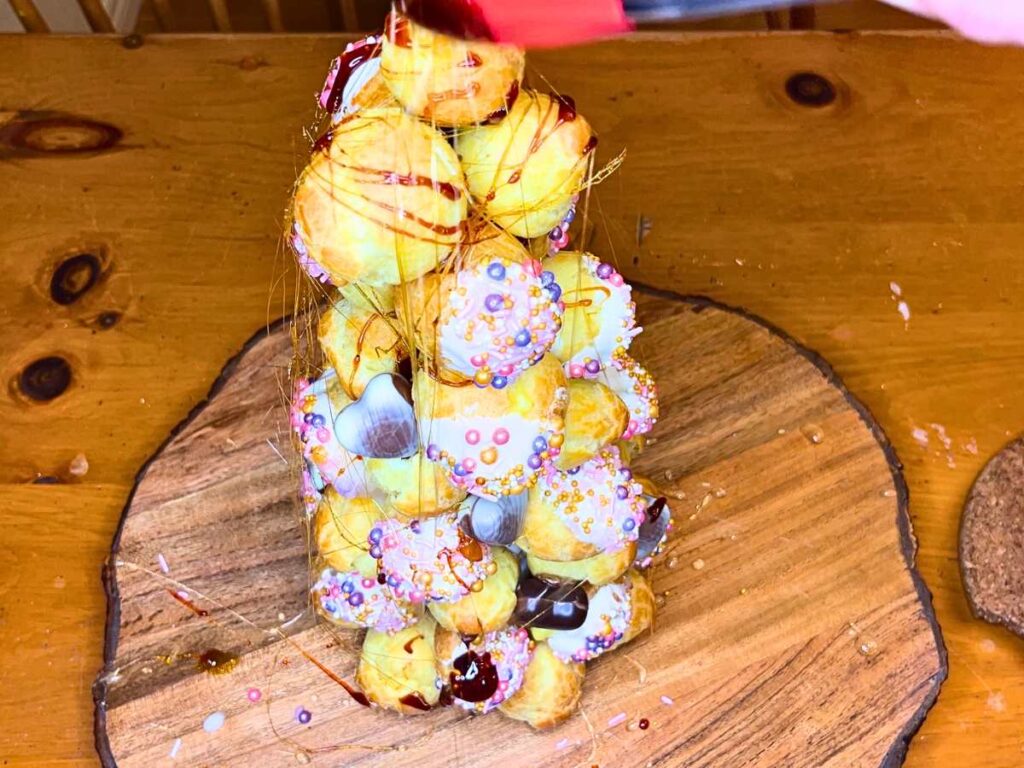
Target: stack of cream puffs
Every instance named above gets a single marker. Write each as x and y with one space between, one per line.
466 435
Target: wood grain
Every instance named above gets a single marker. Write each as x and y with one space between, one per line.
804 611
802 216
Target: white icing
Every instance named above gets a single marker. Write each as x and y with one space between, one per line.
608 618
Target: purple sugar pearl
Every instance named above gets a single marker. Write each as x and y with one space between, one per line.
433 452
523 338
355 599
554 291
539 444
592 366
460 470
622 492
494 302
547 277
629 524
534 461
555 234
496 270
303 715
499 382
375 535
604 271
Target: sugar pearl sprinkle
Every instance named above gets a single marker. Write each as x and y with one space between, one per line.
297 240
312 421
599 501
426 556
496 456
611 297
351 598
502 317
637 389
511 650
608 618
558 238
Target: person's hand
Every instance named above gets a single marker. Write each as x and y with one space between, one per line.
988 21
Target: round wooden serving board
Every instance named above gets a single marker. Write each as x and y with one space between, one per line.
794 630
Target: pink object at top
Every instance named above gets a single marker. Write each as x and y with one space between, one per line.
526 23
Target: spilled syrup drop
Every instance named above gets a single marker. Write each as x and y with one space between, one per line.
216 662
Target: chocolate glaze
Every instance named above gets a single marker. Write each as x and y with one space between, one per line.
475 677
349 62
415 701
551 604
445 188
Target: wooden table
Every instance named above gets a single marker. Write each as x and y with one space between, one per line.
908 181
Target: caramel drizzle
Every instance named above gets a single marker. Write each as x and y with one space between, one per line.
360 343
587 302
201 612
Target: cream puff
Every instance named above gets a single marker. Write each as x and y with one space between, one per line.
487 610
594 508
631 382
600 315
350 599
489 317
550 692
525 170
598 570
341 527
618 612
315 406
446 81
656 527
483 672
360 342
399 670
354 80
493 441
436 556
596 416
411 488
382 201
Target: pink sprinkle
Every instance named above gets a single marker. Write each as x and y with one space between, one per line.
476 360
616 279
576 371
162 563
667 701
619 719
174 748
562 744
183 594
472 436
501 436
254 695
468 464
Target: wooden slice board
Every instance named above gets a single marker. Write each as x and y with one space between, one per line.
794 630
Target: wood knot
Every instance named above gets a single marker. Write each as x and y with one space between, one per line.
73 277
55 133
131 42
45 379
809 89
108 320
249 63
